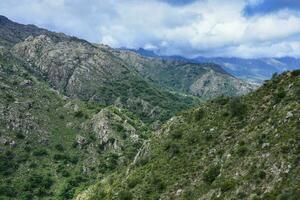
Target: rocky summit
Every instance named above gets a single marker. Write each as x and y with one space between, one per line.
87 121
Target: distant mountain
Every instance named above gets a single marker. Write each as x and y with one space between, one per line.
181 75
150 53
254 70
251 70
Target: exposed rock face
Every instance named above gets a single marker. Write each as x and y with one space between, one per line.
77 69
111 129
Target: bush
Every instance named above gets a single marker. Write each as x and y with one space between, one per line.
237 108
19 135
176 134
211 174
241 150
279 95
172 149
7 165
59 147
157 182
297 90
261 174
227 185
198 114
222 100
40 152
59 157
125 195
132 182
79 114
7 190
38 181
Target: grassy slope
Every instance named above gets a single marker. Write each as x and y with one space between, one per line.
246 148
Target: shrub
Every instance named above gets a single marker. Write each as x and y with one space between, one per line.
59 147
79 114
65 173
9 98
279 95
176 134
288 195
157 182
125 195
7 165
7 190
172 149
237 108
297 90
241 150
40 152
19 135
198 114
132 182
211 174
227 185
261 174
38 181
222 100
59 157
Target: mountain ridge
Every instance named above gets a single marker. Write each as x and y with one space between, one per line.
253 70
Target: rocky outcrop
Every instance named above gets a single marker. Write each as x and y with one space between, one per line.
112 128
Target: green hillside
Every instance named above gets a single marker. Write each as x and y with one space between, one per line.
51 145
229 148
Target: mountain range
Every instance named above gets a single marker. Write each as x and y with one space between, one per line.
87 121
252 70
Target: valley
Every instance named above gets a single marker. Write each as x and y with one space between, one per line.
86 121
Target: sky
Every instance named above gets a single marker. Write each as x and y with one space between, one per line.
229 28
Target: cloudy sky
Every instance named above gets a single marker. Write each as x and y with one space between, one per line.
242 28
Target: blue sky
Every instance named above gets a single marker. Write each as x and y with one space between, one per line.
241 28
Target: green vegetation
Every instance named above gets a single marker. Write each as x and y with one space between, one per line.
48 148
105 139
204 153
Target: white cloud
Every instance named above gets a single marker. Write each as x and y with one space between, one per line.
205 27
